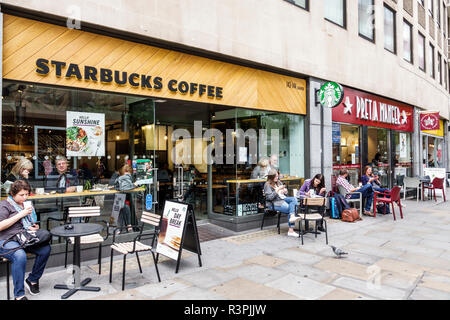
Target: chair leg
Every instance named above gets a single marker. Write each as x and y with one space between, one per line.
100 258
156 266
139 262
65 255
400 206
7 281
301 229
262 223
123 271
110 266
278 223
393 210
326 230
434 192
315 229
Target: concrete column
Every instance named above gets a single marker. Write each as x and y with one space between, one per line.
417 146
315 161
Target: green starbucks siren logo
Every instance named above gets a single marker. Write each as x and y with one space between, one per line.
331 94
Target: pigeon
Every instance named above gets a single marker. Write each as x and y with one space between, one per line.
338 252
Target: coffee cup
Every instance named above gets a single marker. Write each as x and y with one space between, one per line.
27 204
79 188
40 190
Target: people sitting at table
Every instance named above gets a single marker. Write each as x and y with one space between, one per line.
123 183
366 191
314 187
67 180
12 212
261 170
370 178
21 170
276 193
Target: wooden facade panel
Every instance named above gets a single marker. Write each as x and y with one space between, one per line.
25 41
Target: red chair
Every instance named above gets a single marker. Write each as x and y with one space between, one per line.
438 183
394 196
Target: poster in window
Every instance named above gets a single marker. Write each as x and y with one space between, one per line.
403 149
85 134
143 168
171 232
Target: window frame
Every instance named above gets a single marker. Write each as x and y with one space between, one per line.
411 47
419 34
431 8
439 66
432 64
344 26
385 6
299 6
373 30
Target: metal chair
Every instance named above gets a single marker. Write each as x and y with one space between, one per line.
306 215
412 183
359 200
271 212
7 263
389 197
135 246
84 214
437 183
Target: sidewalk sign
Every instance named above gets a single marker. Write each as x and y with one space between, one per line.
178 231
119 202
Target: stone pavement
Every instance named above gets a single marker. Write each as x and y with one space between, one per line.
405 259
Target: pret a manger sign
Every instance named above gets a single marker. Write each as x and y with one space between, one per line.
359 107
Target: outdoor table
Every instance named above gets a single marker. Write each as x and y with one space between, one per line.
79 230
238 183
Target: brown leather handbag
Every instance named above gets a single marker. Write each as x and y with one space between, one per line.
350 215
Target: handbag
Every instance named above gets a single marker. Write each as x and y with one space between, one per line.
350 215
25 239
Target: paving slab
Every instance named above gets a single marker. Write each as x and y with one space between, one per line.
301 287
370 288
207 278
244 289
343 267
342 294
423 293
307 271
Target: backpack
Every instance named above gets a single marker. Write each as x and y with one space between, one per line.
381 207
334 211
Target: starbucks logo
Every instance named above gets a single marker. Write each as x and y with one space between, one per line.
331 94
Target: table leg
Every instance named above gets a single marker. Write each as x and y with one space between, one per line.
78 285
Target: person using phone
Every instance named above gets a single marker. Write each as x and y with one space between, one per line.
12 213
372 179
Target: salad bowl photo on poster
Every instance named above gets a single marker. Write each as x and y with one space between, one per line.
85 134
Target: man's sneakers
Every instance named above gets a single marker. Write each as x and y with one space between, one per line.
293 234
32 288
21 298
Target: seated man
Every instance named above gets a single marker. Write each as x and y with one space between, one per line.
366 191
62 179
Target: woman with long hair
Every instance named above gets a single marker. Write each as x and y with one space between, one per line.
369 178
21 170
276 193
315 187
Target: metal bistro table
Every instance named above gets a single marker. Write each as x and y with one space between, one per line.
79 229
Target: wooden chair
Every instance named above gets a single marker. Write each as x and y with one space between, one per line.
437 183
388 197
306 215
84 214
135 246
270 211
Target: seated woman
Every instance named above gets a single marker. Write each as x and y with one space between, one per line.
370 178
275 193
314 187
12 214
21 170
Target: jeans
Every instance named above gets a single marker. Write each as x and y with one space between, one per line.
18 261
367 194
288 207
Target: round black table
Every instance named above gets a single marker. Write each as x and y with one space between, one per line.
79 230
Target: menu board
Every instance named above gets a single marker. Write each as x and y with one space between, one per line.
85 134
171 232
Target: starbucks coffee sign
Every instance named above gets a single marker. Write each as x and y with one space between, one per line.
331 94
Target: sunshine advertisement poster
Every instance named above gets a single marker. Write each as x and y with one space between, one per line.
85 134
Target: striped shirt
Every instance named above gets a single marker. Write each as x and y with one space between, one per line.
345 184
